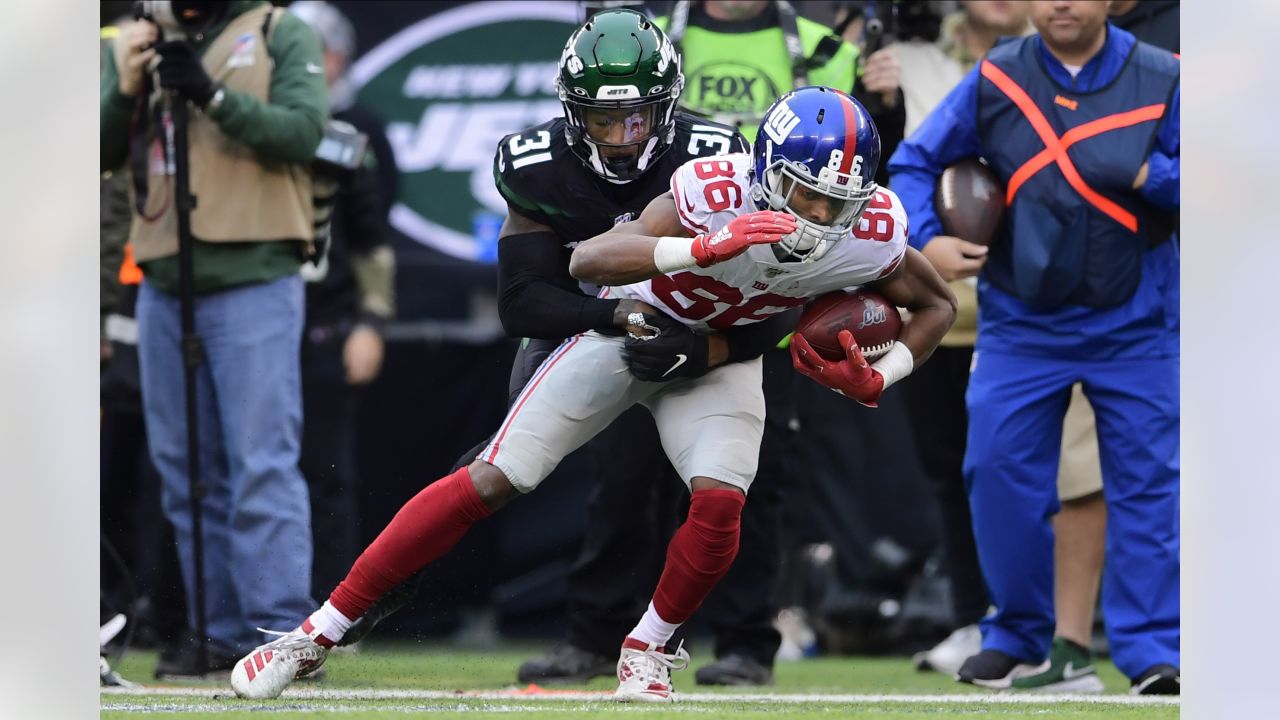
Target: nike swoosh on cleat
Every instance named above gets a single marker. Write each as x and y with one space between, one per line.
680 360
1071 672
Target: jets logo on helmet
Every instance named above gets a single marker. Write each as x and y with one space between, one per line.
821 142
618 83
666 56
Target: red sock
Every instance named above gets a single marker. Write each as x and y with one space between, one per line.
700 553
425 528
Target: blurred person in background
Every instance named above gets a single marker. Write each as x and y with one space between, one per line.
139 566
350 299
931 66
255 83
1087 257
872 28
742 54
1151 21
930 69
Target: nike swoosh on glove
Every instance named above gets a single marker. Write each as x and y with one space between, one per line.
853 377
677 352
758 228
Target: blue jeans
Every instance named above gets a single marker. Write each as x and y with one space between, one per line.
257 536
1016 405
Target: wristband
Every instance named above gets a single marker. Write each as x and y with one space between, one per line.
895 364
673 253
215 100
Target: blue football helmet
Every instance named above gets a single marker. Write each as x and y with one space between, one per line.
824 141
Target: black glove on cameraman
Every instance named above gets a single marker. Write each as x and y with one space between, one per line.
180 70
676 352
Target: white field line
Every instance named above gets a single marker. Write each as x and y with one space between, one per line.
455 707
603 695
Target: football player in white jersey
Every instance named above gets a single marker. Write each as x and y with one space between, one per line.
708 253
818 154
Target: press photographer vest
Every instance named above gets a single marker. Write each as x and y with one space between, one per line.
1075 231
240 197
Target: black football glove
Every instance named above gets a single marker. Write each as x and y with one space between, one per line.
180 70
676 352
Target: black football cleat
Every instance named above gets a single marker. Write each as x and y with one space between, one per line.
565 664
1158 680
734 670
387 605
993 669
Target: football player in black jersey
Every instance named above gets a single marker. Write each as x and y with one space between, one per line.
566 180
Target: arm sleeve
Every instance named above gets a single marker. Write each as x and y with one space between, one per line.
116 217
1164 167
115 115
948 134
532 302
752 341
289 126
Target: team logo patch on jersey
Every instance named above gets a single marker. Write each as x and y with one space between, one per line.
624 217
760 285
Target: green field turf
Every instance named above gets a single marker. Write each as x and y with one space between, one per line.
394 680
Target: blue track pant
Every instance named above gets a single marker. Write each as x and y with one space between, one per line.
1016 405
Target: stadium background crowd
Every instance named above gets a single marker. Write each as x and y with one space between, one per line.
864 569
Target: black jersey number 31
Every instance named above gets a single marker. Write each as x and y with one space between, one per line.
520 145
717 141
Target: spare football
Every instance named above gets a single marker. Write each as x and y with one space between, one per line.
969 200
873 320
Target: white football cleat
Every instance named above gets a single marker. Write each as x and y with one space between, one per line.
947 656
265 673
644 672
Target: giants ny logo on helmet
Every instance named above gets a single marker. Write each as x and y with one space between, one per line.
822 140
779 124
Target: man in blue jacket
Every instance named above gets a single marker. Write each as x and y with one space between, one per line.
1081 122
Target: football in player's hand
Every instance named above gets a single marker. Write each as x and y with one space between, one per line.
873 320
969 200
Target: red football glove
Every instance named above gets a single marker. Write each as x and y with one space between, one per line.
758 228
852 377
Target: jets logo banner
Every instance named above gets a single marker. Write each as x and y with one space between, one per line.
449 85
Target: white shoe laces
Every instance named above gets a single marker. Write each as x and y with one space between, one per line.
295 643
654 666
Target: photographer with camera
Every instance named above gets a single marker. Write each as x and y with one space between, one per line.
224 212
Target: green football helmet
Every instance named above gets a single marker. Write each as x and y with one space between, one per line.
619 81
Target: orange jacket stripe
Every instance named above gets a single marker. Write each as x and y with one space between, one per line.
1054 148
1075 135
